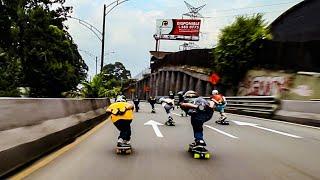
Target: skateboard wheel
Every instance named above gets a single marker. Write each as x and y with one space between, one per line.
128 151
189 149
196 156
207 156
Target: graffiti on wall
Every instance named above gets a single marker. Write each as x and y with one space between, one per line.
264 85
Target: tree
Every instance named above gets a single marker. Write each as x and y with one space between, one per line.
237 48
109 82
114 75
9 75
36 37
97 88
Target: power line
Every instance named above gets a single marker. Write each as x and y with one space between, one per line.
245 14
250 7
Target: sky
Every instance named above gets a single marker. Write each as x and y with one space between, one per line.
130 26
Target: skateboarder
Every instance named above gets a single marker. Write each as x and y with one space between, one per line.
220 103
168 104
122 116
136 102
200 111
152 101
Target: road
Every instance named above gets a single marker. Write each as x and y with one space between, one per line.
261 150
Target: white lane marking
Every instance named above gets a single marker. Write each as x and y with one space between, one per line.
266 129
176 114
272 120
155 127
222 132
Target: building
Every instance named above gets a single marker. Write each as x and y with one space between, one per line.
300 23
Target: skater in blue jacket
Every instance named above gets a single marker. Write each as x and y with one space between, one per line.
200 111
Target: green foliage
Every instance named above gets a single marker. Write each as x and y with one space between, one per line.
9 75
108 83
115 75
115 71
92 89
37 44
237 48
97 88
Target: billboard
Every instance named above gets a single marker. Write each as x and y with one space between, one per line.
178 29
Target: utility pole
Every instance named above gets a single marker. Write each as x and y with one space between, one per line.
103 32
96 65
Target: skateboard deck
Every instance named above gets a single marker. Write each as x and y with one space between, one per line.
170 123
201 153
223 123
123 150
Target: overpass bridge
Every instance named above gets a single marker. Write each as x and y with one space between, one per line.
171 79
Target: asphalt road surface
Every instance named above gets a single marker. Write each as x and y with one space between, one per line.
261 150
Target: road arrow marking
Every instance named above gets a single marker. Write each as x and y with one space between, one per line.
155 127
222 132
266 129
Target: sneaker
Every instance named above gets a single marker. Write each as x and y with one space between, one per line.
120 142
200 143
126 142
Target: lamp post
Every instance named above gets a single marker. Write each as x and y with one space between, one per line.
105 13
100 35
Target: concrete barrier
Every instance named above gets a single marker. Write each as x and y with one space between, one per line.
301 112
31 128
301 106
19 112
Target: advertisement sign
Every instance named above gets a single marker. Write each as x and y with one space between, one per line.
178 29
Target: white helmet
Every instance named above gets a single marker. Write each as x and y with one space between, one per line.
214 92
120 99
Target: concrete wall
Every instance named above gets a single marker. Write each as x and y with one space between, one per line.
288 86
31 128
301 106
19 112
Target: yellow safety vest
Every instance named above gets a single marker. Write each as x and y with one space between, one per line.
120 106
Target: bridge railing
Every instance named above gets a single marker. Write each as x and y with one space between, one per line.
259 105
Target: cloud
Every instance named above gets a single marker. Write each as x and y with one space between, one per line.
131 25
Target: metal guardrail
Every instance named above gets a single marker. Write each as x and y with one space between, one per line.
259 105
264 105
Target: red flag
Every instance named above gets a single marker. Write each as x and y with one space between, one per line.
214 78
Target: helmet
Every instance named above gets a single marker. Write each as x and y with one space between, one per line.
214 92
191 94
161 99
171 95
180 93
201 103
121 98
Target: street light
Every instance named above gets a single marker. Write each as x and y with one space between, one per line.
111 6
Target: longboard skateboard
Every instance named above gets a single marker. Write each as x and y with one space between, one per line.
170 123
222 121
201 153
124 150
225 122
